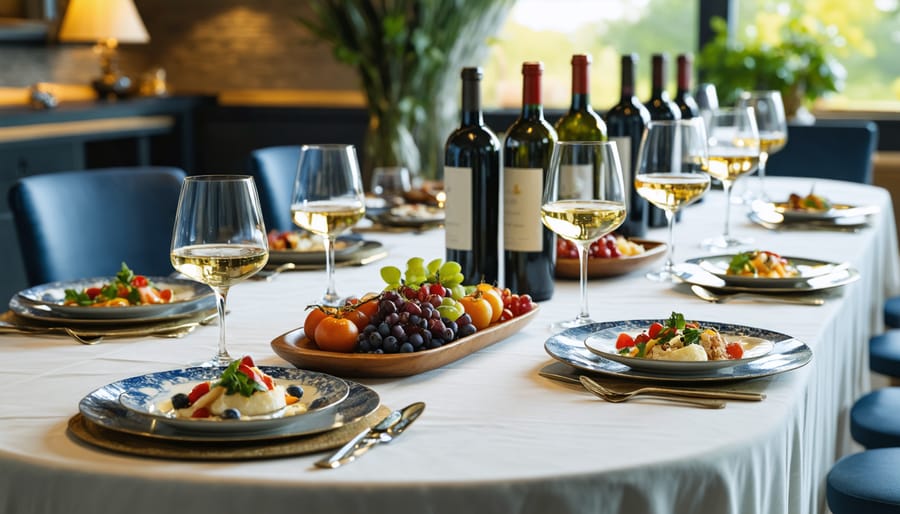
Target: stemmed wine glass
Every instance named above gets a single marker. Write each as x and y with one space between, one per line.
768 108
671 161
733 141
219 238
328 199
583 200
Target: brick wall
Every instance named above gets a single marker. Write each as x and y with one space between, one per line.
205 46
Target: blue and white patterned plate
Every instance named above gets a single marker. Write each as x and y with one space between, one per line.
603 343
46 301
807 269
142 395
787 354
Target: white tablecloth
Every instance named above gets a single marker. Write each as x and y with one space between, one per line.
495 436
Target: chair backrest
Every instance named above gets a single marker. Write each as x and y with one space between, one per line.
80 224
274 169
835 149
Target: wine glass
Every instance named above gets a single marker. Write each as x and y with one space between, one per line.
733 141
219 238
328 199
583 200
772 124
671 161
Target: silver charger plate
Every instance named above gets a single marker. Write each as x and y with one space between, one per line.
836 211
102 407
27 311
48 299
788 354
693 274
345 249
808 268
603 343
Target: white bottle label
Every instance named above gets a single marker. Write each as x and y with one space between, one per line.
623 144
575 181
522 227
458 208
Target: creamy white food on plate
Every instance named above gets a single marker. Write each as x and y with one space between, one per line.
678 340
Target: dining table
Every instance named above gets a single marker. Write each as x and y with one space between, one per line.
495 435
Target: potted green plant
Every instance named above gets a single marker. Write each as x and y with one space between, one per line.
408 55
798 61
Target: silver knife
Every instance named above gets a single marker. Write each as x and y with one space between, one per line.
384 432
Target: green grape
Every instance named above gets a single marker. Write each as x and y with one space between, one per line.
453 280
451 309
392 287
457 291
416 263
450 268
470 289
390 274
434 266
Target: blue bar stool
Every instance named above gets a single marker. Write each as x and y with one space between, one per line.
892 312
865 483
884 353
875 419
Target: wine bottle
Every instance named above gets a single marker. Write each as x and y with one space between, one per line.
472 186
580 123
529 247
661 107
684 98
625 123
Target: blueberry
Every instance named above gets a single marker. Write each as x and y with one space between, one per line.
181 401
406 348
231 414
295 391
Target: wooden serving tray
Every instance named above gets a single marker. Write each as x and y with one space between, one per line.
295 348
597 268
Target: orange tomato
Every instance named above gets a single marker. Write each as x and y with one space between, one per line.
478 309
316 315
336 334
494 297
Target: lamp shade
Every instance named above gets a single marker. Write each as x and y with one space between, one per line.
101 20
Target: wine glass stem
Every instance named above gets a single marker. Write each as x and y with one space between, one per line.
670 255
222 358
726 185
331 296
583 263
763 158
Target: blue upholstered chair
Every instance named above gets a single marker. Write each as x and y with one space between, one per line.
875 419
865 483
80 224
274 169
835 149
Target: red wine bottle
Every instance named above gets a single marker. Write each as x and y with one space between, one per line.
661 107
472 186
529 247
625 124
684 98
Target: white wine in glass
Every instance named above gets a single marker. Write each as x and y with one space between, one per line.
672 159
328 199
219 238
585 212
768 108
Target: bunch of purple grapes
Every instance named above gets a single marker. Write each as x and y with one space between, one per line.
402 325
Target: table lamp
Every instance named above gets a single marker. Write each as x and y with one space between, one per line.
106 23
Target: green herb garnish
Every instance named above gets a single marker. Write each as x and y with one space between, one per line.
235 381
741 263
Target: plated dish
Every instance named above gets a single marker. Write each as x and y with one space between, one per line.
614 266
411 215
694 274
297 349
787 354
806 268
311 251
102 407
773 211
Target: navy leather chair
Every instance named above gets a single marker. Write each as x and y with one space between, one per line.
80 224
274 169
865 483
834 149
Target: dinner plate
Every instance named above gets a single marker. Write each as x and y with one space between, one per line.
344 249
787 354
189 296
808 268
836 211
693 274
603 343
102 407
598 268
150 395
410 215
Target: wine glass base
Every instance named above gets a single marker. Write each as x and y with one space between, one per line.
663 275
725 243
332 300
559 326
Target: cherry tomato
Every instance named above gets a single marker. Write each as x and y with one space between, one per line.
478 309
166 295
654 330
316 315
247 360
358 317
336 334
492 295
92 292
140 281
624 341
525 304
198 391
641 338
734 350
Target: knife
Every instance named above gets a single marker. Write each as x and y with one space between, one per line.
384 432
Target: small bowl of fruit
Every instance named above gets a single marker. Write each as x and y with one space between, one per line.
609 256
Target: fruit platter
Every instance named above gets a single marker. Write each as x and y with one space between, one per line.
426 317
609 256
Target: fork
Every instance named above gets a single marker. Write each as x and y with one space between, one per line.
618 397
